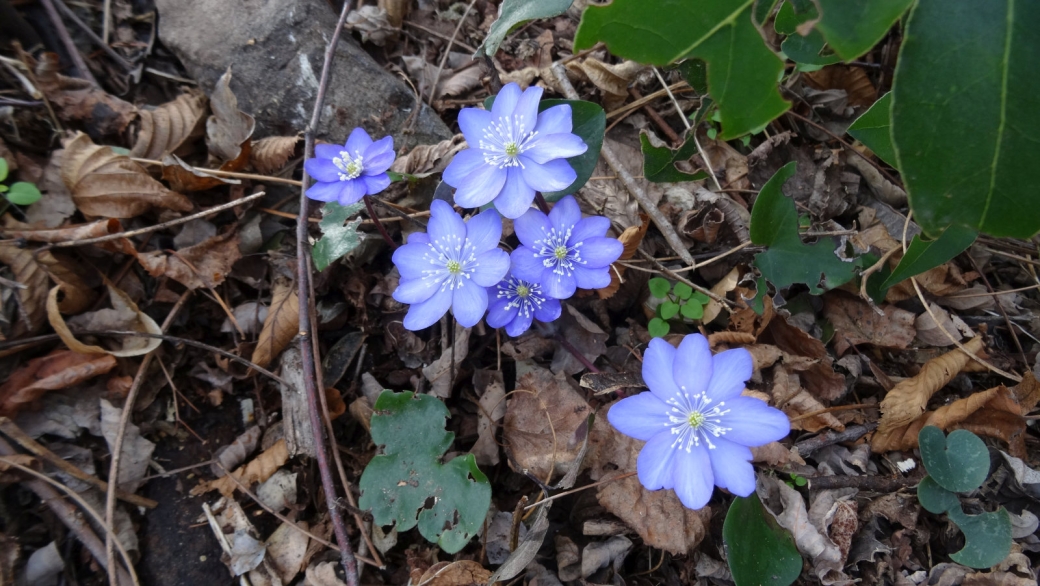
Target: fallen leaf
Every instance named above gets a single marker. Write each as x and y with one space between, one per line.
439 372
110 185
123 316
600 554
775 455
282 324
77 295
613 79
373 23
323 574
854 80
228 128
271 153
492 391
279 491
170 126
818 378
210 261
260 469
32 300
855 322
460 573
460 75
429 158
230 456
929 332
286 550
79 99
136 450
185 178
789 396
58 370
722 288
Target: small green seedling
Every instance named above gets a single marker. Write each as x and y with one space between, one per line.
956 464
19 193
677 300
796 480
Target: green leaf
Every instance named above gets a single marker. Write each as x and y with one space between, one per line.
659 162
336 239
3 169
874 129
807 49
695 72
987 537
700 298
692 310
742 70
682 290
514 12
966 136
669 309
958 463
658 328
774 223
794 13
23 194
852 27
924 255
3 189
397 484
759 552
934 498
659 287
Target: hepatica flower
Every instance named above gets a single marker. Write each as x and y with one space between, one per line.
697 427
345 174
563 251
513 152
515 303
450 266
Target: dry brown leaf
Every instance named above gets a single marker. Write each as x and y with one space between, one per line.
32 300
13 229
722 288
1027 392
763 355
271 153
185 178
460 75
775 455
492 390
930 333
855 322
429 158
58 370
631 238
110 185
228 128
281 325
735 339
612 79
908 399
258 470
166 128
123 316
789 396
77 295
818 377
78 99
460 573
723 156
373 23
853 80
230 456
210 261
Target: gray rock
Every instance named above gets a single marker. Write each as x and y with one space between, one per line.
276 50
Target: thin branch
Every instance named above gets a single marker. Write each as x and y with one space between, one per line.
70 46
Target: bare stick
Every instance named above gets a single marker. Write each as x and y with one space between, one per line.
378 224
693 135
93 36
63 34
447 51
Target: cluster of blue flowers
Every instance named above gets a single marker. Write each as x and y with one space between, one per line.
515 152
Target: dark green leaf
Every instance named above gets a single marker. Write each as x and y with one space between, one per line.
397 484
669 309
692 310
759 552
659 287
742 70
874 129
774 223
958 463
809 50
695 72
966 136
3 169
659 162
514 12
336 239
682 290
852 27
987 537
658 328
924 255
794 13
934 498
23 194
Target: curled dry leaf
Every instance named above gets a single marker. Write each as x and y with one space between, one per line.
166 128
110 185
908 399
281 325
429 158
260 469
78 99
631 238
612 79
855 322
931 332
78 296
818 376
58 370
228 128
206 264
123 316
32 308
268 155
76 232
230 456
184 177
722 288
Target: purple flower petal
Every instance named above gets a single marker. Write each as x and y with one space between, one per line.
492 266
358 141
640 416
484 230
327 151
563 145
322 170
520 324
657 369
468 304
425 314
558 286
516 195
472 122
505 101
555 120
462 166
600 252
526 111
531 227
731 466
378 157
418 238
693 365
565 214
555 175
590 227
500 310
445 225
416 290
753 423
375 183
549 311
730 372
694 480
411 259
526 264
352 192
322 191
656 462
480 186
587 278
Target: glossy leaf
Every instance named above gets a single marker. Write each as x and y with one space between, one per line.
759 552
658 328
874 129
407 484
659 287
659 162
987 537
966 135
958 462
23 193
337 239
924 255
853 27
742 70
514 12
788 260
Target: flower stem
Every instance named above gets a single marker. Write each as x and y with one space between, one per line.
574 352
379 225
542 204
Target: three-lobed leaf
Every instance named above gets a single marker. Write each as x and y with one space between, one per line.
337 239
759 552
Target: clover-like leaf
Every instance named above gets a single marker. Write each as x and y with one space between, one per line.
668 309
682 290
23 194
397 484
658 328
3 169
692 310
659 287
959 463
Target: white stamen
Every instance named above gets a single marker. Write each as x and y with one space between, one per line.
505 139
452 262
691 420
557 253
350 167
528 303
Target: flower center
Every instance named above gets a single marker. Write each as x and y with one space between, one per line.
350 168
696 419
454 267
561 252
523 291
505 139
521 294
557 252
452 262
693 418
512 149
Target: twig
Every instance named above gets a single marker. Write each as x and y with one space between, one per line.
229 174
63 34
94 37
581 488
441 36
543 205
844 143
658 120
218 532
378 224
310 384
106 18
851 433
447 51
627 108
881 484
576 353
693 134
865 276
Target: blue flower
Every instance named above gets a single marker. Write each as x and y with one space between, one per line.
451 265
345 174
697 426
513 152
562 251
516 302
